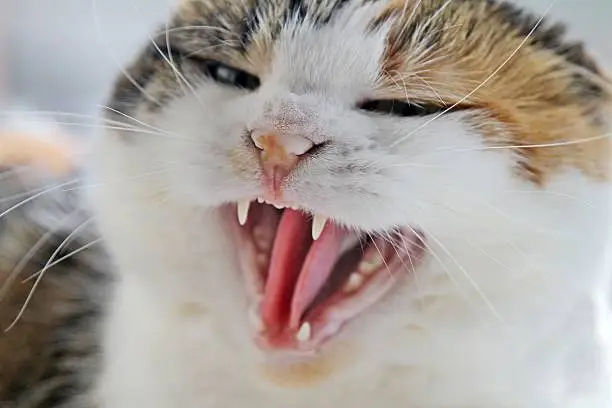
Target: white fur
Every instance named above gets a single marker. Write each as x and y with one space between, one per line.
504 312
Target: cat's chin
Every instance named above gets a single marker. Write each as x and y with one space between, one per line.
303 290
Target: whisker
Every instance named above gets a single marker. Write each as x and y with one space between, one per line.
141 122
514 146
170 55
430 87
46 191
553 144
382 257
554 193
474 284
42 273
30 254
397 248
194 28
444 266
120 180
483 83
412 266
177 72
52 114
124 127
64 258
117 63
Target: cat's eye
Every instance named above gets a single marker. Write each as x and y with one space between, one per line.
227 75
399 108
221 73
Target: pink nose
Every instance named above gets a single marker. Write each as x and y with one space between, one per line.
279 155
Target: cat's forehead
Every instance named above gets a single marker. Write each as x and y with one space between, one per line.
421 35
316 39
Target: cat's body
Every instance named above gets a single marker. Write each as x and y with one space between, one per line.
507 307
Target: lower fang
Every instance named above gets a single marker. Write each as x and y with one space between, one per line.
354 282
304 334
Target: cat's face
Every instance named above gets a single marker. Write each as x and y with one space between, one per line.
422 118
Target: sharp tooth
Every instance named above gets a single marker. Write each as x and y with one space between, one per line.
318 223
260 200
354 282
243 211
279 206
303 335
370 266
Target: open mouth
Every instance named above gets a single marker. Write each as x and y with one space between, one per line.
307 277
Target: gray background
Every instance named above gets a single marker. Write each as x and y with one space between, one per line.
60 57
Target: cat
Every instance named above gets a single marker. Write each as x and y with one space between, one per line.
343 202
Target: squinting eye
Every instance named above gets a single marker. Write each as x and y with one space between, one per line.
218 71
399 108
229 76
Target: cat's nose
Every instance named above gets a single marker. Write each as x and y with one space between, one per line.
279 155
288 143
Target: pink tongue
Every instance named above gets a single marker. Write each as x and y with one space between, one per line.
296 273
316 270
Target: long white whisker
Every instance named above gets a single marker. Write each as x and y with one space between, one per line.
193 28
502 147
412 267
53 114
483 83
125 128
63 258
177 73
46 191
42 273
31 252
111 55
165 132
171 57
119 180
553 144
469 278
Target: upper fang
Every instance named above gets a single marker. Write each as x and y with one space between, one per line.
243 211
318 223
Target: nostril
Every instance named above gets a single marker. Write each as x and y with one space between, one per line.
289 144
297 145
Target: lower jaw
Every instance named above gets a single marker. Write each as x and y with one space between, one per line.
355 286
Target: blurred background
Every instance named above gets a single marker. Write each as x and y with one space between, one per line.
62 55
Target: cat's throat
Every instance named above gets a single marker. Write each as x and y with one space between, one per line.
304 290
